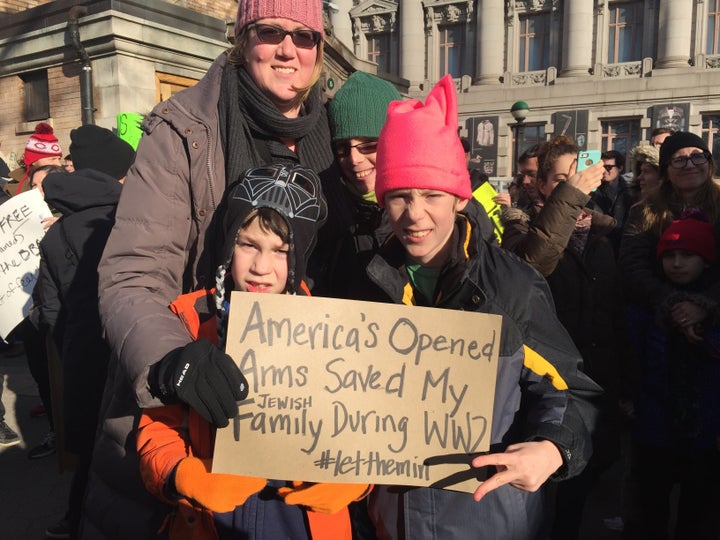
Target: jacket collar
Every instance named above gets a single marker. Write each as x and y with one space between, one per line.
455 288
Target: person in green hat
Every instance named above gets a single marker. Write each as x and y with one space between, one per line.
357 114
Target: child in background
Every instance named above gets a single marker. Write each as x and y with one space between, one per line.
677 405
436 256
270 219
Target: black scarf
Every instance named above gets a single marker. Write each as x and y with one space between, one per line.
248 116
251 127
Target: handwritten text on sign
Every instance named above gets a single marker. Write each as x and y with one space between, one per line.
347 391
21 230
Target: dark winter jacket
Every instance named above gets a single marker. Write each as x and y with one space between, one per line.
540 393
677 403
70 253
613 200
343 270
644 283
345 262
585 286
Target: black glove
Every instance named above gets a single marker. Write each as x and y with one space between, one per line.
202 376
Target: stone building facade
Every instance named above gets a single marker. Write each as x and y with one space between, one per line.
605 72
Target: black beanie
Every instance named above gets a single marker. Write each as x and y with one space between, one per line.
94 147
676 141
295 193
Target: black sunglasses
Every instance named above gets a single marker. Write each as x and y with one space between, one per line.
342 149
302 38
609 168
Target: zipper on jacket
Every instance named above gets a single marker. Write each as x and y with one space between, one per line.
211 174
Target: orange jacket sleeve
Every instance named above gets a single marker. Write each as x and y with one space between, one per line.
162 441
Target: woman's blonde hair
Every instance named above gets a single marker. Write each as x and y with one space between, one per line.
237 56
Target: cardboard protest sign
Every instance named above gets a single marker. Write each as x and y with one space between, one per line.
359 392
21 230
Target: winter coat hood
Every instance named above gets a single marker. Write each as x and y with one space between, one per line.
79 190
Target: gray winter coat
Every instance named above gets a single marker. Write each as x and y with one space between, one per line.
179 167
157 250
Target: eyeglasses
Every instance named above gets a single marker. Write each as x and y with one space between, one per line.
342 149
681 161
302 38
609 168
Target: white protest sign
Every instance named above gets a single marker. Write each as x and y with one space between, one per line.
21 230
359 392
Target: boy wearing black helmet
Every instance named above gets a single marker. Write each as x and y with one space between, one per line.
269 218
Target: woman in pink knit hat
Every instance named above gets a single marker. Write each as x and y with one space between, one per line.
258 104
542 416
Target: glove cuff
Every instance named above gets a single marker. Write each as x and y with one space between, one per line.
169 490
160 377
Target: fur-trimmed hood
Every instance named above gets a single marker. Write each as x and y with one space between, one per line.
643 154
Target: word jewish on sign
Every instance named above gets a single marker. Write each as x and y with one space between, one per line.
347 391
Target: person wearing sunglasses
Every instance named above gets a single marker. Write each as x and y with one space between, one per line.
356 114
613 197
258 103
686 187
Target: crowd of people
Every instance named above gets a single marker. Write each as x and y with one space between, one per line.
631 263
606 281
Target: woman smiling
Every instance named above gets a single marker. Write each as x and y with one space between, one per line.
258 103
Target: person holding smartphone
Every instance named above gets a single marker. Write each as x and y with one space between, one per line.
570 245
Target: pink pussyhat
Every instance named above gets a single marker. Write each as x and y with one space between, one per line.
419 146
307 12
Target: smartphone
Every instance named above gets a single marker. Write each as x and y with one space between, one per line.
587 158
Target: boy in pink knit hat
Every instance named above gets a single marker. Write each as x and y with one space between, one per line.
542 416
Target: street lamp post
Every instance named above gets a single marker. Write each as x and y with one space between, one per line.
519 110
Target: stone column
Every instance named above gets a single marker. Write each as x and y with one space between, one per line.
675 33
490 24
577 43
341 23
412 42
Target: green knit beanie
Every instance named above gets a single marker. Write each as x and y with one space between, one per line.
359 107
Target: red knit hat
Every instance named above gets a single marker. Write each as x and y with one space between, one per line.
419 146
307 12
689 234
41 144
